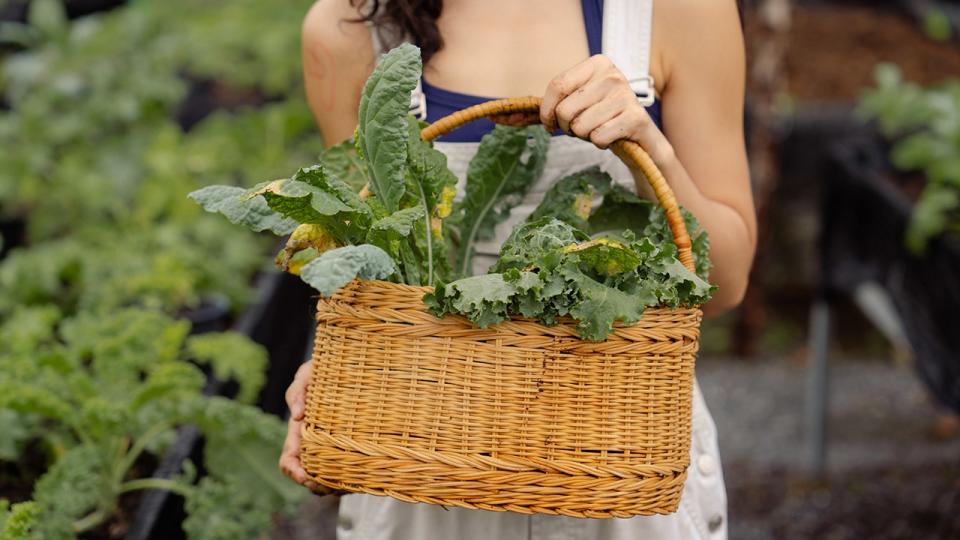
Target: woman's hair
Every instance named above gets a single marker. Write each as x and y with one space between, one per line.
400 19
416 20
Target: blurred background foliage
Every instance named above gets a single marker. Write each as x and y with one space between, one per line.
107 120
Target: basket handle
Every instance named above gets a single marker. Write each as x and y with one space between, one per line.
632 154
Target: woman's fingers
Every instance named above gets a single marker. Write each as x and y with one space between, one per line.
593 117
290 455
565 84
606 88
296 392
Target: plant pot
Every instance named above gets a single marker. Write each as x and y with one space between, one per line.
13 233
865 215
283 322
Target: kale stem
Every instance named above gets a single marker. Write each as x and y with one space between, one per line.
138 447
155 483
426 223
90 521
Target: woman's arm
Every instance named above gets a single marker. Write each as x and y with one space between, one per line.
337 59
702 64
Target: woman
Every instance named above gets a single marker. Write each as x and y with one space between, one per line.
677 91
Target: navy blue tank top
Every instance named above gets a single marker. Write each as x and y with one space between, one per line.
442 102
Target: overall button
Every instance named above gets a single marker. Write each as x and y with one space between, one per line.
715 522
345 523
707 464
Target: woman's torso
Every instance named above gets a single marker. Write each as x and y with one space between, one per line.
450 83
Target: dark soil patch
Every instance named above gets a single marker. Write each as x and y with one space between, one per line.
832 51
889 503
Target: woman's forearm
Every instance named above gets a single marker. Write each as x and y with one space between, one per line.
731 242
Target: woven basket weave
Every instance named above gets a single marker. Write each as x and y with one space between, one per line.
519 416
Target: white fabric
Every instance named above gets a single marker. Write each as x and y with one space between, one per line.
627 34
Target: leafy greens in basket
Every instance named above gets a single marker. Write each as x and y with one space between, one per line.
381 207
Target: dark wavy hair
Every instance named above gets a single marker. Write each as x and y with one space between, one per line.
416 20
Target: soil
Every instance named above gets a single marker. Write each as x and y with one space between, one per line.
832 50
890 475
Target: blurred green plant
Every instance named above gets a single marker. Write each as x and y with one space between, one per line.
98 392
924 124
94 371
936 24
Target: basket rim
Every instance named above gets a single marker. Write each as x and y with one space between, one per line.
403 303
424 289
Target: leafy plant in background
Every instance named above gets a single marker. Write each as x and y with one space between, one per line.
96 377
97 393
548 268
925 127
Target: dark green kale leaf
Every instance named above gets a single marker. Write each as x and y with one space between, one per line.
431 187
621 210
571 198
382 122
342 162
498 177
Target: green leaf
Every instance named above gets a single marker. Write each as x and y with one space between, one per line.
571 198
232 356
225 511
498 177
342 162
390 234
171 381
48 16
482 299
299 201
400 222
621 210
20 522
659 232
335 268
17 429
432 187
532 243
606 257
599 306
76 483
249 212
318 177
382 124
931 215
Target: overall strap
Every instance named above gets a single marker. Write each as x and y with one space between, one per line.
418 103
627 31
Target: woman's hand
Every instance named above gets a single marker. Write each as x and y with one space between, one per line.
593 101
290 456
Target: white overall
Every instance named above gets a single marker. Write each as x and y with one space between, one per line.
702 512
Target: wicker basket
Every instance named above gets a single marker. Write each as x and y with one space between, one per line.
519 416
